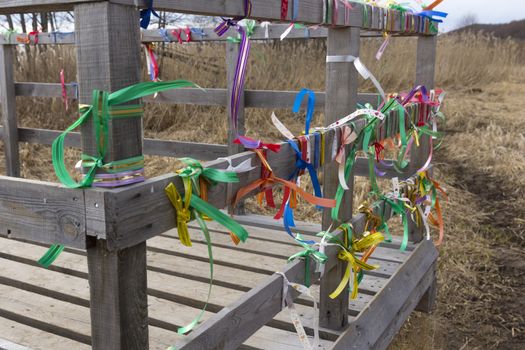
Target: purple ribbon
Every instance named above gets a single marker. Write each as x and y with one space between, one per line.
242 60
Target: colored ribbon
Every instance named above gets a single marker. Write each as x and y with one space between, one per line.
287 301
270 179
308 253
347 137
242 60
145 15
64 90
309 109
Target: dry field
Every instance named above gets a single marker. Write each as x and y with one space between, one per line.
482 264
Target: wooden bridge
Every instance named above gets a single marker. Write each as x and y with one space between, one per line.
111 290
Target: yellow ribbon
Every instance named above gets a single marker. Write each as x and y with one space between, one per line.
369 241
182 209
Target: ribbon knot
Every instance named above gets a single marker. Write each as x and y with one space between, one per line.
308 253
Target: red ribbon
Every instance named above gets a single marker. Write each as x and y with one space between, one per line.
64 90
284 9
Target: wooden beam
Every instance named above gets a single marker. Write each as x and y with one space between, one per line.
18 6
425 73
206 97
166 148
118 297
45 90
391 305
341 99
108 60
9 120
42 212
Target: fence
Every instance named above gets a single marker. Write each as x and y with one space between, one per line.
113 225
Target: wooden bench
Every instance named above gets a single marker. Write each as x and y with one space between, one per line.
125 281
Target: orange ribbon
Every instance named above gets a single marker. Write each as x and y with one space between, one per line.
270 180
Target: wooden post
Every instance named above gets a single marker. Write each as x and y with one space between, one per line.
425 71
232 53
341 99
8 101
425 75
108 47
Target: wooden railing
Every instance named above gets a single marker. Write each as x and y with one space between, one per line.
113 225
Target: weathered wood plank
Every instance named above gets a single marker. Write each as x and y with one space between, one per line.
18 6
389 304
152 147
107 60
9 120
201 97
425 73
119 307
45 90
22 334
42 212
395 325
341 98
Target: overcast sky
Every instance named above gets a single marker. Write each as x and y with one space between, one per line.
486 11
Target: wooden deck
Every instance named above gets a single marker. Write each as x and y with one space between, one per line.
49 309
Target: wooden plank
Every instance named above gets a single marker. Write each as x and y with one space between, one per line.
425 73
402 315
18 6
109 61
389 303
7 345
168 294
194 96
152 147
45 90
119 307
22 334
9 120
42 212
310 11
341 98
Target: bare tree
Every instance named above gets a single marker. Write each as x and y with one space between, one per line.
467 20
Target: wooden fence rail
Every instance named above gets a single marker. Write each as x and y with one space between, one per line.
113 225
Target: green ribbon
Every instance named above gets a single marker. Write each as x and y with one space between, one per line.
192 172
308 253
100 111
250 28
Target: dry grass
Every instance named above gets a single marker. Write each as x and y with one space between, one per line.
481 272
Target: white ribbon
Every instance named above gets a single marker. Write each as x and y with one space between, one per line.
265 25
287 31
294 315
242 167
280 126
357 113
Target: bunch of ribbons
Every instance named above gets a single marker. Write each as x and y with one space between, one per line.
105 108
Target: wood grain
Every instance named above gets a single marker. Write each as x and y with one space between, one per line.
42 212
9 120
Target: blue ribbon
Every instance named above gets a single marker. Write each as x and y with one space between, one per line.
199 31
145 15
430 15
309 109
301 164
164 35
295 10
